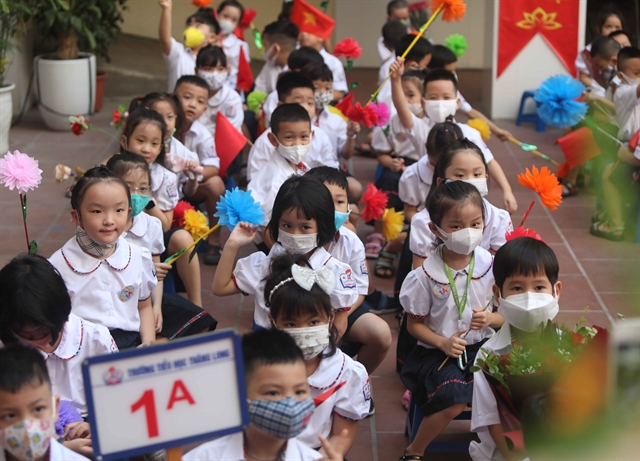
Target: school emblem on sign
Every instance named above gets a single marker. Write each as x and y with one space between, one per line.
127 293
112 376
346 279
441 290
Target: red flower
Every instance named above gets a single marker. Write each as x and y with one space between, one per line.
78 129
522 232
345 104
117 116
375 201
348 48
247 18
366 115
79 124
178 213
201 3
418 6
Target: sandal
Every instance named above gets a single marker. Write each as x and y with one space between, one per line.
385 305
374 246
385 269
571 190
605 231
407 457
599 216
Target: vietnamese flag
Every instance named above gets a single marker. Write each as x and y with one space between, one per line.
229 142
245 76
579 146
311 20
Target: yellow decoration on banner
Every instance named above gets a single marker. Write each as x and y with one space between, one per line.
309 18
546 20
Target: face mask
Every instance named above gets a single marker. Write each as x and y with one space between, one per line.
323 99
193 37
283 419
138 203
608 73
298 243
631 81
340 218
528 311
463 241
90 246
312 341
438 111
28 439
267 54
226 26
415 108
214 80
480 183
294 154
406 22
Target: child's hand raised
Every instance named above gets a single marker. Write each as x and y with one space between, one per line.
479 319
454 346
397 69
243 234
165 4
353 129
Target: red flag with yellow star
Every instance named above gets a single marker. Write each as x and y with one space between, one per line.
311 20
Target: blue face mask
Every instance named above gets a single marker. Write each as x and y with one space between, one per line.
138 203
340 218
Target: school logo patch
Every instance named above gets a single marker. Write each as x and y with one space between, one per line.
400 136
364 269
112 376
366 391
346 279
172 190
127 293
230 112
441 291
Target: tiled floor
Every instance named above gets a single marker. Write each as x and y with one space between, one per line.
597 274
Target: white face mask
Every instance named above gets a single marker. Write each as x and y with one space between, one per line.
28 439
463 241
631 81
480 183
267 55
323 99
415 108
298 243
528 311
226 26
438 111
312 340
215 80
295 154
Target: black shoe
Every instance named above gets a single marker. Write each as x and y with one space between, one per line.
372 409
212 255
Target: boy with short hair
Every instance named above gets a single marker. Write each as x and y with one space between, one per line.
621 37
392 34
601 63
279 40
292 87
340 88
28 410
193 93
181 58
526 290
441 101
397 11
230 14
274 369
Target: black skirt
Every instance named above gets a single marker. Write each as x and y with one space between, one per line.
180 317
432 390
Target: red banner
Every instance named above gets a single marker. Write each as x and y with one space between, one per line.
555 20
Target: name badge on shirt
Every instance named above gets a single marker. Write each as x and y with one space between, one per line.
126 293
230 112
366 391
441 291
364 269
346 280
172 191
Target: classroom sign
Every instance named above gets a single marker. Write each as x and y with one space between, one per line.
166 395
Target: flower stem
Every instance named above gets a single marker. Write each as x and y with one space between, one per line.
23 204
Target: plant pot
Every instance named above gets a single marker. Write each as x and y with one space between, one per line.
6 111
65 87
101 76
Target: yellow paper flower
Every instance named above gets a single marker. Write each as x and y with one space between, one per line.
195 223
482 127
392 222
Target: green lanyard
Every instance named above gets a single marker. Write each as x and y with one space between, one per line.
454 290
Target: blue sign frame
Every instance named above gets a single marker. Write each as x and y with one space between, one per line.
170 345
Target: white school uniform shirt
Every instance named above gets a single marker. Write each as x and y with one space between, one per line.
229 102
80 340
146 232
180 149
107 291
200 140
497 222
180 61
426 295
627 110
384 95
464 104
268 77
57 452
251 271
415 183
582 66
350 402
334 127
231 448
384 52
398 140
268 106
164 187
231 46
320 153
348 248
337 69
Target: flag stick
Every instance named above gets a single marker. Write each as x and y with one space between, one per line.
173 258
535 152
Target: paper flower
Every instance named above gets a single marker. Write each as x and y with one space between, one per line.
62 172
520 231
255 99
383 112
556 101
238 206
119 116
19 171
201 3
349 48
195 222
456 43
482 127
545 184
452 10
346 104
366 115
375 201
392 222
178 213
79 124
247 18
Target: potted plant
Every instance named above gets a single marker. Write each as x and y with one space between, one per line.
66 79
13 15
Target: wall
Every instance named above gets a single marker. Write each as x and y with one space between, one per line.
20 70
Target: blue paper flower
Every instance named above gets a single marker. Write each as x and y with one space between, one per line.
556 105
238 206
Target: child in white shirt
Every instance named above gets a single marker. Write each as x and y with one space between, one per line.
397 11
279 40
202 29
340 88
230 14
392 33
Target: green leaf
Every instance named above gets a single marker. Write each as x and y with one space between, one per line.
76 23
50 18
63 4
195 250
349 64
33 247
354 85
91 38
474 368
175 255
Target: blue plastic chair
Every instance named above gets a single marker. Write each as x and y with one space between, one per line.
531 117
379 171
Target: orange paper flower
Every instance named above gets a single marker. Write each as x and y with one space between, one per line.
375 201
545 184
201 3
366 115
453 10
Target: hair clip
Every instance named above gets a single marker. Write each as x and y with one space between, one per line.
447 181
306 278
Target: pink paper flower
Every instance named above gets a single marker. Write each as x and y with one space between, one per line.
384 114
19 171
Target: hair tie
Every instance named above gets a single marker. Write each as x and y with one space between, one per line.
140 98
447 181
306 278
